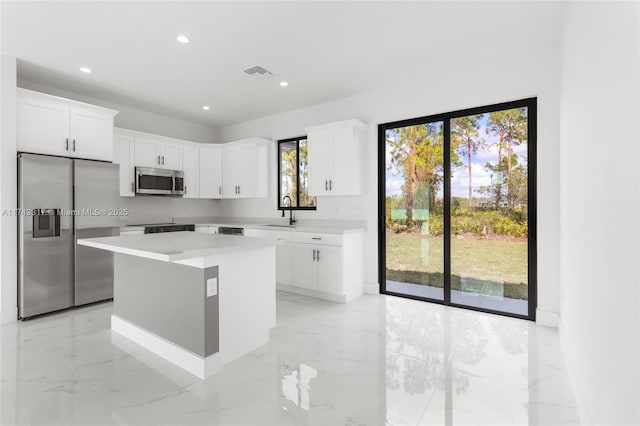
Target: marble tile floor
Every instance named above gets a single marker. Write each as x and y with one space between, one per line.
379 360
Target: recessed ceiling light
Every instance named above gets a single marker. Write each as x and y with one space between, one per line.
284 84
206 107
86 70
183 39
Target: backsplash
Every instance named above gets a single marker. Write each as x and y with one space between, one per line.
150 209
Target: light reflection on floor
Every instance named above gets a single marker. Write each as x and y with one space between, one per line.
378 360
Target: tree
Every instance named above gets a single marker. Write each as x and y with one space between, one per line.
510 127
417 153
288 171
466 137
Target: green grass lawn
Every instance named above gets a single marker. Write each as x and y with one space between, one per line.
418 259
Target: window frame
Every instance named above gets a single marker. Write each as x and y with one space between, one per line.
297 140
532 244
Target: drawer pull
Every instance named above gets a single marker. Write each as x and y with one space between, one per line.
316 238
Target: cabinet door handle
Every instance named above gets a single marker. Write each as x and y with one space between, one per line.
314 255
238 189
326 188
132 187
74 145
67 144
219 190
318 255
330 185
163 160
158 159
185 190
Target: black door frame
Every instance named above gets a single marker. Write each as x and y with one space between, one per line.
532 115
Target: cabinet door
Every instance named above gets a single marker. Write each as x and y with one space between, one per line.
171 156
91 134
343 178
190 166
283 263
230 173
304 267
211 172
146 152
42 126
123 155
329 269
247 176
319 162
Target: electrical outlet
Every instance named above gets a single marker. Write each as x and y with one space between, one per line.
212 287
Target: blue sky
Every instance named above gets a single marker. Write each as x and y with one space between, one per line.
460 181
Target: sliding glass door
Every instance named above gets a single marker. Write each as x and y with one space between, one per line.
414 171
457 208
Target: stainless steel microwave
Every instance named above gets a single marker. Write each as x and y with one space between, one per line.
150 181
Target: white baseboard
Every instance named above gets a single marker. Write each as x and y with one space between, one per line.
312 293
371 288
8 315
547 318
194 364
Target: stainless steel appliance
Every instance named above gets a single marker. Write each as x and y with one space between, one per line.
230 231
168 227
150 181
61 200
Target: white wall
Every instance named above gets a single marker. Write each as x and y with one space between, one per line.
8 190
600 209
489 80
137 119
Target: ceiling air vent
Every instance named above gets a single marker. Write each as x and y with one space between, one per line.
257 71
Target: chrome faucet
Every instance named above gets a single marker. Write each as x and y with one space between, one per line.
292 220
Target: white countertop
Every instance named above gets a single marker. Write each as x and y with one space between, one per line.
304 225
176 246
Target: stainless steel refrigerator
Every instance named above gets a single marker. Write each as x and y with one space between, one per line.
61 200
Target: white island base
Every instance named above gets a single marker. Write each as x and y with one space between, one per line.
199 313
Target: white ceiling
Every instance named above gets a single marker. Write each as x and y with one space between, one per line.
325 50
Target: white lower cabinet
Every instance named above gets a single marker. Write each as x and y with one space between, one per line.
329 269
304 267
283 252
283 262
328 266
319 268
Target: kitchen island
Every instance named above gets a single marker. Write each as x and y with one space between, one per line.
198 300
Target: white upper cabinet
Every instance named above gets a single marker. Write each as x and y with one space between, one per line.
245 168
156 152
210 171
51 125
172 156
42 126
147 152
91 134
191 166
336 163
123 155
